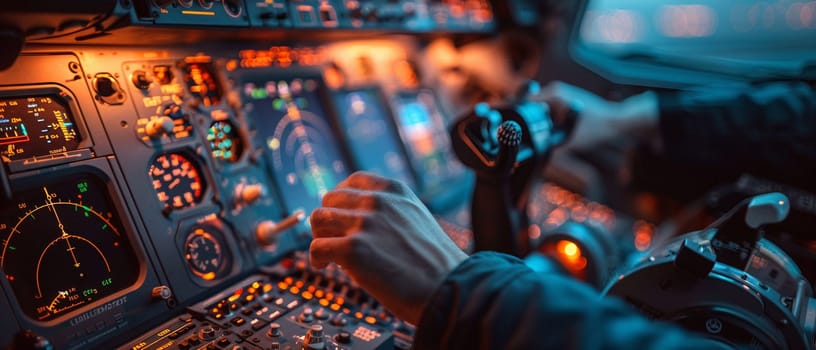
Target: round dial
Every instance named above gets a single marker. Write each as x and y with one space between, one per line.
225 143
177 180
206 254
63 247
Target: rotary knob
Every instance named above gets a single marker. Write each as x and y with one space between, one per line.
274 330
314 338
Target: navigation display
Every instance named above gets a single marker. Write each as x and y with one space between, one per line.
63 247
291 124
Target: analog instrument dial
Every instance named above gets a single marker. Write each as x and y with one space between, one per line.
206 253
177 180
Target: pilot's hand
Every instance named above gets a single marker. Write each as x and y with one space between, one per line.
386 240
603 122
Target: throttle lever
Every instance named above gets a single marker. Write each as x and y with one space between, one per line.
739 230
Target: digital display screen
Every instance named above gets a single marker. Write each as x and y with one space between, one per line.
291 124
423 129
64 247
36 126
372 135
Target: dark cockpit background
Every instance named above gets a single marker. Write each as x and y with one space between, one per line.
161 157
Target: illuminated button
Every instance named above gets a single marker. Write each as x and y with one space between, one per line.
308 296
370 320
238 321
324 302
334 307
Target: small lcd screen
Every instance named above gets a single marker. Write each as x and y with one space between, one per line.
36 126
373 138
422 127
64 247
298 140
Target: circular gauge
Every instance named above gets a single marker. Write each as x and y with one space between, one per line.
225 143
177 180
206 253
63 247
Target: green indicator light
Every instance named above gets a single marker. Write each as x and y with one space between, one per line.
82 187
12 247
87 215
259 94
33 217
277 104
105 226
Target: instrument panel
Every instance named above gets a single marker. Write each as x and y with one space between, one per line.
128 212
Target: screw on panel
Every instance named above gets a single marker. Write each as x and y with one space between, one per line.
73 67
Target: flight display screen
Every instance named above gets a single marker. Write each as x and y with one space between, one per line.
291 123
423 129
36 125
64 247
372 134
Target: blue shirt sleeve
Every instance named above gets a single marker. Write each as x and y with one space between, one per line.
493 301
768 131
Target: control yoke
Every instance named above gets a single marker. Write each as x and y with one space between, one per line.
507 146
